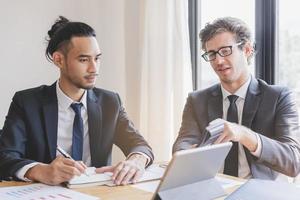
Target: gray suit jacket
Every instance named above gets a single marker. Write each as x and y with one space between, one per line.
30 129
269 110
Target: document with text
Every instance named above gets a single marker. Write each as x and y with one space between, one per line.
40 191
91 178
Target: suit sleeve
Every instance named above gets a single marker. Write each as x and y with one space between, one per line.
128 138
13 140
189 133
282 153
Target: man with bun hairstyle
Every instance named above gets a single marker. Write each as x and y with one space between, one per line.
72 115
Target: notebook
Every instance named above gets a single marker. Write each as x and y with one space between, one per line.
91 178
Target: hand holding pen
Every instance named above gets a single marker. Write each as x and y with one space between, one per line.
60 170
66 155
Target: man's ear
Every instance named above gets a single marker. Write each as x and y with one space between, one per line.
58 59
248 49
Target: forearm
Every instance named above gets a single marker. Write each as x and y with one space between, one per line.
139 157
248 139
282 155
10 163
38 172
20 174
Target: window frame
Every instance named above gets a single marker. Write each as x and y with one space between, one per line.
266 36
266 40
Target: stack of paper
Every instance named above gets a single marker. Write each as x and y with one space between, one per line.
213 131
153 172
91 178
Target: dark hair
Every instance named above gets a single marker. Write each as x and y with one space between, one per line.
236 26
62 32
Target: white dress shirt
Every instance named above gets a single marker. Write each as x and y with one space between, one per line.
65 129
66 117
243 168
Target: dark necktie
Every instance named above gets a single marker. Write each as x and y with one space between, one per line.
77 139
231 161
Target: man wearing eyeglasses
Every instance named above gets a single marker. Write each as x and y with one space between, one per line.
261 120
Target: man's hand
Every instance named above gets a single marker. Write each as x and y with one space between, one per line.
238 133
127 171
58 171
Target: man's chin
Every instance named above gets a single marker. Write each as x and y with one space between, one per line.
88 87
226 79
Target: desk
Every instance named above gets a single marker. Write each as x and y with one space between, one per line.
115 193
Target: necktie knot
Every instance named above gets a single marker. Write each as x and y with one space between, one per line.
76 107
232 98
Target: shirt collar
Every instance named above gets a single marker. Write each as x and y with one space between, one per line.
64 101
241 92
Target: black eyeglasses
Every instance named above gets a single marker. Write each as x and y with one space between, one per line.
223 52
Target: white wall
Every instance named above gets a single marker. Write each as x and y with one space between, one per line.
24 26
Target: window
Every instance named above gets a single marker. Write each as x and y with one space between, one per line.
289 47
213 9
207 11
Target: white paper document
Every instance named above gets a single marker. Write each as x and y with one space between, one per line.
42 192
153 172
91 178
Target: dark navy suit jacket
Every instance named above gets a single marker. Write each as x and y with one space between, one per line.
30 129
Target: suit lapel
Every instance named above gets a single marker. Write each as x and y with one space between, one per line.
95 126
215 104
251 104
50 111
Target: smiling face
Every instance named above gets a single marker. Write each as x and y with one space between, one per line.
232 70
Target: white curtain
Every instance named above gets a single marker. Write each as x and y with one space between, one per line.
166 76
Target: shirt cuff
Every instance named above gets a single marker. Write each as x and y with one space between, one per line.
141 153
20 174
257 152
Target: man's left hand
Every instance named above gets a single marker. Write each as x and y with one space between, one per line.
232 132
238 133
127 171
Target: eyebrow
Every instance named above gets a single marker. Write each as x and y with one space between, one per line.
219 48
84 55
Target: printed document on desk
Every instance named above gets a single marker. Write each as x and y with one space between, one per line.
265 189
153 172
89 178
41 191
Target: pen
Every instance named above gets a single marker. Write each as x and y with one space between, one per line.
66 155
62 152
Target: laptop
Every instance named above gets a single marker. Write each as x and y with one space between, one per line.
191 174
